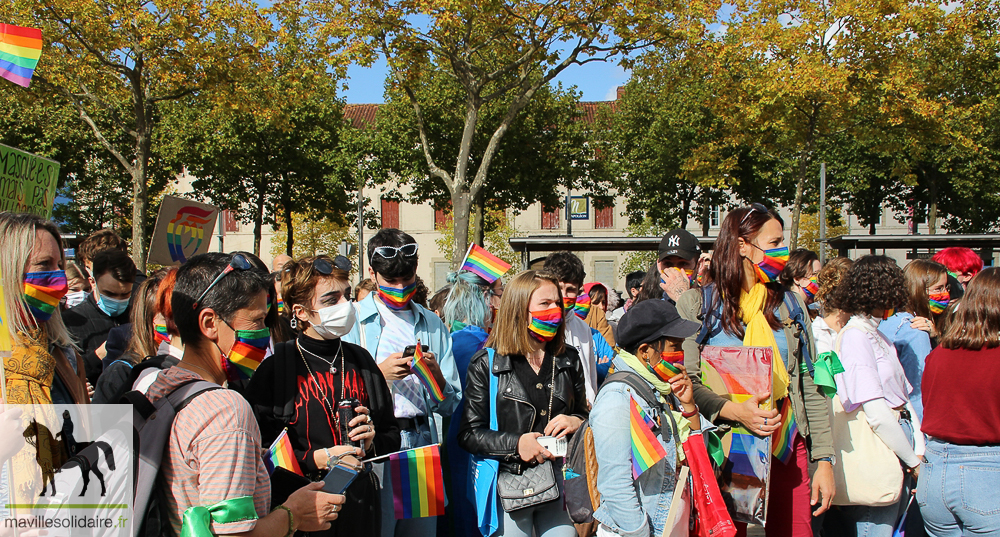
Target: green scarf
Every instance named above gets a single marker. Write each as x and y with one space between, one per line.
197 521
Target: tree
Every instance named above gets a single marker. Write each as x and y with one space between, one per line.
498 52
500 228
314 235
117 61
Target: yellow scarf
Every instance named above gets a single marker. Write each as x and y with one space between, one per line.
760 334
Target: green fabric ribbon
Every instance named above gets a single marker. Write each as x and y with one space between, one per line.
714 446
457 325
826 366
197 520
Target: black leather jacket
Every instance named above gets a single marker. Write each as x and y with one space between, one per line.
515 415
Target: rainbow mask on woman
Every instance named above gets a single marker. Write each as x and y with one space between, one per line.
666 369
773 263
43 291
582 306
938 302
811 288
544 324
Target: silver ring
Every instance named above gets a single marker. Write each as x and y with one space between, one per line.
370 428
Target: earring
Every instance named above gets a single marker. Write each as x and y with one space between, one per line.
294 322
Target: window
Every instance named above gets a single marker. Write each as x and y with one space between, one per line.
230 221
390 214
604 272
441 217
441 270
605 218
715 216
550 219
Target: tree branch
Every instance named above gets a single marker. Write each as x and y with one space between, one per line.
424 143
86 44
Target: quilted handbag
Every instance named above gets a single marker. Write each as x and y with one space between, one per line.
537 485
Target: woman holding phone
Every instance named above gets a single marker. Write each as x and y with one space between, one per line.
540 392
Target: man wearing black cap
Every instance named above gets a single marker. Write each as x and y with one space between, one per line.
650 335
676 259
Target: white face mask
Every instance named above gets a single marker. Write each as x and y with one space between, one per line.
335 321
75 298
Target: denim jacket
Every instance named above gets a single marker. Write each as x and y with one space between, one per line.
630 507
912 347
430 330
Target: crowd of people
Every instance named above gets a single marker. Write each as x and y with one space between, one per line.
903 361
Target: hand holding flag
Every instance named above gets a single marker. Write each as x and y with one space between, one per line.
424 370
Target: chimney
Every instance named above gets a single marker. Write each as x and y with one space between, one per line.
621 91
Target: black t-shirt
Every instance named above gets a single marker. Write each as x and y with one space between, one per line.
538 386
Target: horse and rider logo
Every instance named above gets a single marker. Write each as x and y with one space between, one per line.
63 446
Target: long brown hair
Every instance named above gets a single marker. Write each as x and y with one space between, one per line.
975 322
921 274
727 270
510 332
143 343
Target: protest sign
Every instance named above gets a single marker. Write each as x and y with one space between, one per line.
27 182
183 230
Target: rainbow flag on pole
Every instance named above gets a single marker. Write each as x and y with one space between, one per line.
485 264
646 449
784 438
417 482
423 372
280 454
20 49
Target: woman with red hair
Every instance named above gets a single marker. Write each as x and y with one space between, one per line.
962 263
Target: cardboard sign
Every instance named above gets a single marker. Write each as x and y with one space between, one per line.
183 230
27 182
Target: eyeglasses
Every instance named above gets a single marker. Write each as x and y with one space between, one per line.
389 252
238 262
754 207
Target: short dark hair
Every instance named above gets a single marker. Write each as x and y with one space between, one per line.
98 241
116 262
874 282
399 266
236 291
799 264
634 281
566 266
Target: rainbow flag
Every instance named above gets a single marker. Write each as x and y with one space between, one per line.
646 449
417 482
485 264
20 49
423 372
784 438
666 370
280 454
161 334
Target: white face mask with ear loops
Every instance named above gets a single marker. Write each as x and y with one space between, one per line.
335 321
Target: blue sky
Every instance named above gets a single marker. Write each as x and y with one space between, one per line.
596 81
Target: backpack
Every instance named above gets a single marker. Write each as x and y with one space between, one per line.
151 424
580 463
711 322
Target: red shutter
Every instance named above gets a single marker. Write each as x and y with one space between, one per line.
390 214
231 223
605 218
441 217
550 219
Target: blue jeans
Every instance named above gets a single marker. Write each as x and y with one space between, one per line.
410 438
957 490
545 520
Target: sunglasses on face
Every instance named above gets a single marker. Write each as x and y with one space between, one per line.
238 262
754 207
389 252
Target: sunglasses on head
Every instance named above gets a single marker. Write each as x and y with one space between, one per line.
325 267
238 262
389 252
754 207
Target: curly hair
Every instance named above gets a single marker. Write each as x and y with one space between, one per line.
873 283
829 278
566 266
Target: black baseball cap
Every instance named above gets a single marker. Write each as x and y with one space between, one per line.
652 320
679 242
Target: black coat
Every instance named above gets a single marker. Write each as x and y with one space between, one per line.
515 415
89 326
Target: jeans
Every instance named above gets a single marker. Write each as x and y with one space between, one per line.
545 520
410 438
957 490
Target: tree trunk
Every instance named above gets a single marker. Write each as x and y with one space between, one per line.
258 216
289 232
706 211
140 202
685 207
799 188
478 224
932 205
460 204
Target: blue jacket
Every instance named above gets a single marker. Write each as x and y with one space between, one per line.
430 330
639 507
604 353
912 346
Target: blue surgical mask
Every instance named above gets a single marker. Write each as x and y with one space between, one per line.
112 306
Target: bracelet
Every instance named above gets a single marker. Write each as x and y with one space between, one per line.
825 459
691 414
291 519
328 457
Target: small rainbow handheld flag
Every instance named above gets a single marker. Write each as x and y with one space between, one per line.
20 49
280 454
417 482
784 438
423 372
485 264
160 333
646 449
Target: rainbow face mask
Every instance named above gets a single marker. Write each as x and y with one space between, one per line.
773 263
397 299
582 306
568 303
811 288
938 302
247 353
43 291
544 324
160 333
666 369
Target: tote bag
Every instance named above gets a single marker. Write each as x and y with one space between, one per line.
484 471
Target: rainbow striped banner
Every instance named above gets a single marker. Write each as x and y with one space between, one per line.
280 454
488 266
417 482
423 372
784 438
20 49
646 449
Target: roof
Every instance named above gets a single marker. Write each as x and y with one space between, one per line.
591 109
362 116
899 242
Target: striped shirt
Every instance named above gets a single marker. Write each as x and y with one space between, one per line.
213 454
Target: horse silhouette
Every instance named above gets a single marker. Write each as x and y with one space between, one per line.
87 457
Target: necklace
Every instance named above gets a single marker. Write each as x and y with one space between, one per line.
333 370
